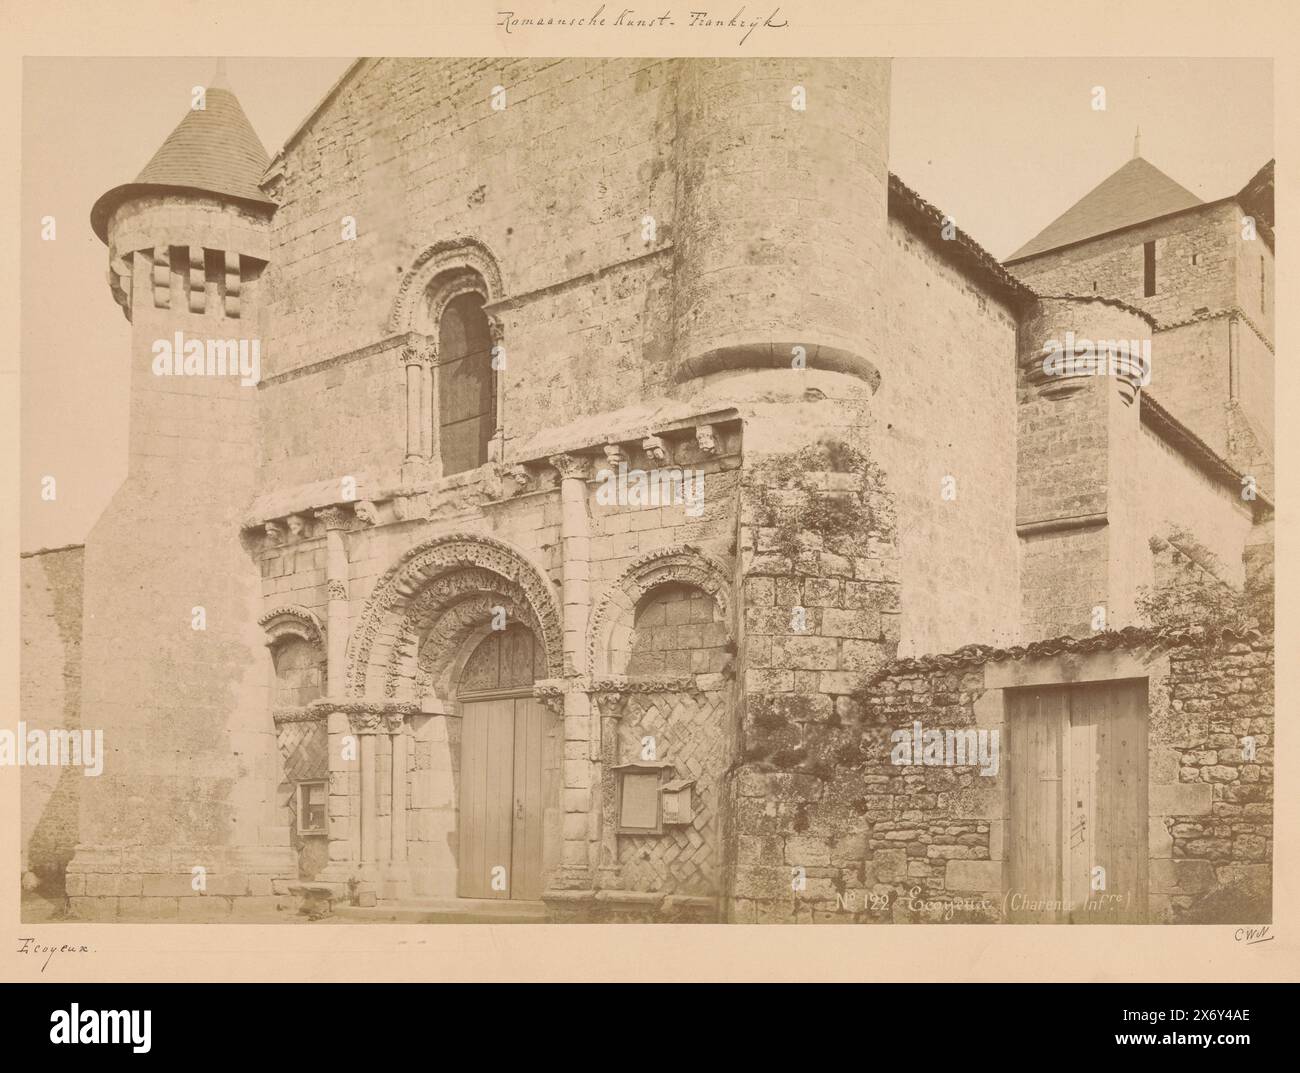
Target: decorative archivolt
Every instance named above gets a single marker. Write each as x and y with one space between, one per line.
610 635
412 597
468 265
292 622
444 623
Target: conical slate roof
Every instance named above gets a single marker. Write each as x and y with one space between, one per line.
1138 192
213 150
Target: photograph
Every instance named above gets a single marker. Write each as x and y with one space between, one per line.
779 502
603 490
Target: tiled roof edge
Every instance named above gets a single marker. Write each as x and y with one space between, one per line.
310 117
1198 452
970 656
963 251
49 551
1226 311
1106 301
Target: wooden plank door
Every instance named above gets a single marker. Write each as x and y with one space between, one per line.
1108 802
1077 802
532 742
1035 827
486 798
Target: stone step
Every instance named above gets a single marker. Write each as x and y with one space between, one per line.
445 911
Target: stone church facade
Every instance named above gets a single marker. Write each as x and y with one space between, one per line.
633 458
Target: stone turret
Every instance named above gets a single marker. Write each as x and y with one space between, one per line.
782 184
175 669
1082 363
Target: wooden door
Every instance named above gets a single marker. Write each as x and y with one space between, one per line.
534 769
1108 802
487 795
1035 831
1077 803
508 778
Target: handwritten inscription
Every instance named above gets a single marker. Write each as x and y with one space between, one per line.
45 952
1251 936
740 24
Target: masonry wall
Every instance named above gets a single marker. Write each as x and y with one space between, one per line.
821 594
1255 280
1203 368
1111 265
1212 785
861 839
556 186
1191 350
1190 377
945 402
1255 383
50 697
1176 496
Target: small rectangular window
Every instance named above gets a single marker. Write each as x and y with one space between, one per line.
311 808
1148 269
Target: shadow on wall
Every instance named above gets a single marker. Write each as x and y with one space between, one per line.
54 838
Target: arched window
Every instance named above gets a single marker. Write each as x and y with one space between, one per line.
466 384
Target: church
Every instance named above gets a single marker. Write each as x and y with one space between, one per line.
379 626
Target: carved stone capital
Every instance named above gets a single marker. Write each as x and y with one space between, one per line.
332 517
394 722
615 455
336 590
609 702
571 466
415 355
365 722
496 329
705 440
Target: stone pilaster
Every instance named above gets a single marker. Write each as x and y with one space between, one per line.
581 774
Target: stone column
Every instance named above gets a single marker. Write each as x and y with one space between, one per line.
497 333
365 724
429 356
397 875
335 520
412 360
575 543
341 815
581 773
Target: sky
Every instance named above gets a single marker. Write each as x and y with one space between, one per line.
1003 146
